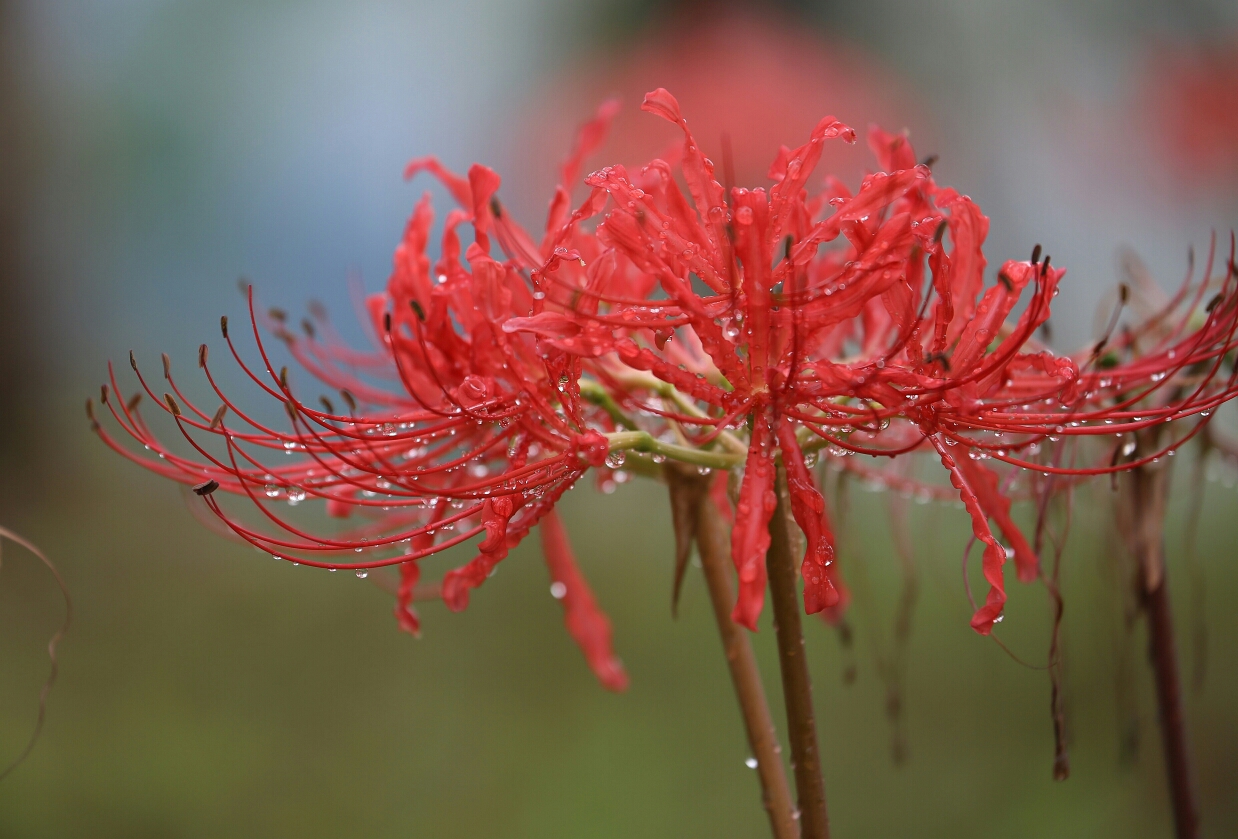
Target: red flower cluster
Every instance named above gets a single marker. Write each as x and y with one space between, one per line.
740 330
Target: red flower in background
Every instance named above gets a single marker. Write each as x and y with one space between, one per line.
761 80
1193 97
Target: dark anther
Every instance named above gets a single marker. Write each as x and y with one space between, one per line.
90 410
223 325
1047 331
929 161
495 207
786 246
348 399
1100 346
283 377
937 356
939 232
417 310
132 404
291 408
206 488
202 353
133 362
1036 254
167 366
308 327
1044 266
219 416
103 394
1004 280
172 406
278 314
1124 293
326 403
1214 302
386 321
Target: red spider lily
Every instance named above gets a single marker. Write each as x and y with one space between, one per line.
806 320
483 434
737 330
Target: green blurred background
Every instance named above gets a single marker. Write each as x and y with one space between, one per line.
154 151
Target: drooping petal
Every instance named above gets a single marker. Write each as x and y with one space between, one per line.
585 621
750 535
410 573
458 582
994 554
984 483
808 507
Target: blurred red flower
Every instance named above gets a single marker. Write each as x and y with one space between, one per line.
1193 96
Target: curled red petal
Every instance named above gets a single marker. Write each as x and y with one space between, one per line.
589 138
585 621
893 151
456 185
484 183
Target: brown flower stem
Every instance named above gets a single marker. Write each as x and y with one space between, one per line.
1162 650
713 545
796 687
1150 496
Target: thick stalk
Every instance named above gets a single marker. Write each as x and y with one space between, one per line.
713 544
796 687
1150 496
1162 651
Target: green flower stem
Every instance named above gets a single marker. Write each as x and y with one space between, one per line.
685 405
593 392
643 441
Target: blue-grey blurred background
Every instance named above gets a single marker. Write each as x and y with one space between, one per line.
153 151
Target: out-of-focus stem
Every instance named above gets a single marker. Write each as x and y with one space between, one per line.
1150 497
1161 649
713 544
796 687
